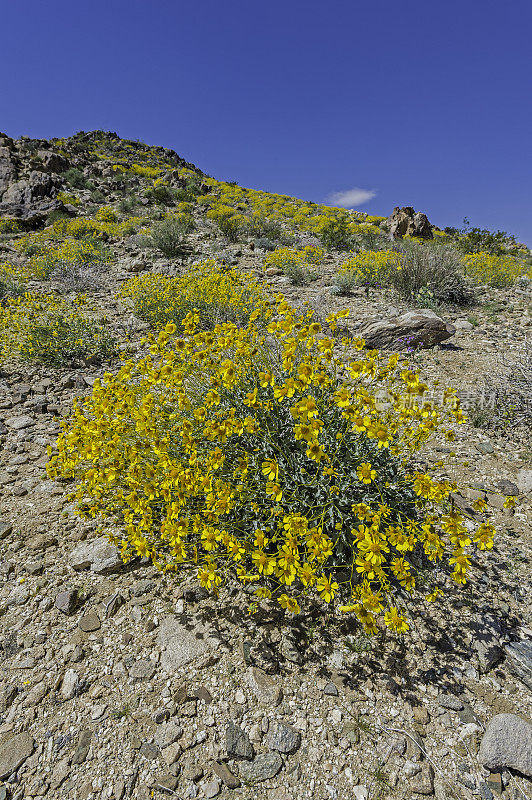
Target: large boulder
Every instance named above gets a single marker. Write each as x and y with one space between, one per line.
407 222
32 200
54 162
507 742
422 328
8 170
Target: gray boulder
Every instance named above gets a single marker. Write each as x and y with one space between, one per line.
421 328
507 743
405 221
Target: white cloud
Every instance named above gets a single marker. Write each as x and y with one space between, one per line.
351 198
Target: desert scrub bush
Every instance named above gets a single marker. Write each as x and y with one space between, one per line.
336 234
168 236
369 268
260 455
231 224
162 194
494 270
215 294
424 268
69 199
505 402
145 171
296 264
75 178
53 331
106 214
53 255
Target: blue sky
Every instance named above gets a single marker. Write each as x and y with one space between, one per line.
411 103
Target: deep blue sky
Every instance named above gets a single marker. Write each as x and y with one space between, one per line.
424 103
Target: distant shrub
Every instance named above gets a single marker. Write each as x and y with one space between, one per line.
53 332
97 196
215 294
161 194
370 267
69 199
168 236
106 214
481 240
494 270
436 269
75 178
127 205
295 264
336 234
145 171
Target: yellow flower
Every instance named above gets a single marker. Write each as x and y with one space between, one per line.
366 473
326 588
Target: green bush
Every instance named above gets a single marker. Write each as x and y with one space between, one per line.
75 178
437 270
335 234
168 236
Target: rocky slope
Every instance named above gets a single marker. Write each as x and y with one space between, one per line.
117 682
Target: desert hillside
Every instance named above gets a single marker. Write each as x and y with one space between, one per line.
252 543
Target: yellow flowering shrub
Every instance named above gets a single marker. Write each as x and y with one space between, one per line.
145 171
371 267
265 455
216 294
295 263
69 199
499 271
106 214
53 331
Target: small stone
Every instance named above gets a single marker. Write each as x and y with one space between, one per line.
421 715
168 782
330 689
142 587
5 530
70 684
168 733
450 701
423 781
142 669
211 788
225 775
180 644
90 622
494 782
98 555
149 750
19 423
240 697
265 688
14 750
284 738
202 693
66 601
484 447
237 742
82 748
507 742
262 768
519 659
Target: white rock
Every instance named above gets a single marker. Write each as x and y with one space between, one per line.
70 684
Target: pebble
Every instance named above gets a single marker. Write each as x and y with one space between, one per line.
284 738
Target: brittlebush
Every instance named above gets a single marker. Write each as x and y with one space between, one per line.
256 453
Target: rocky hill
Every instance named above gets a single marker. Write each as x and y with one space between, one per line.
121 681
